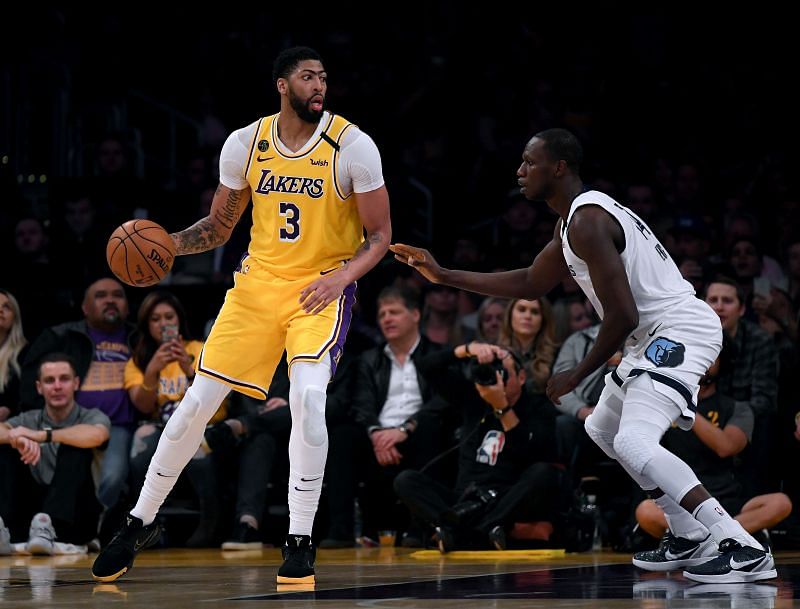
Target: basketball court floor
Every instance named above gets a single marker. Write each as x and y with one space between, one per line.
384 577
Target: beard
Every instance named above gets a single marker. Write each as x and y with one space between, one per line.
303 109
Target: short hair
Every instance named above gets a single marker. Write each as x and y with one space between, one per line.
287 61
55 358
519 366
408 297
725 280
562 145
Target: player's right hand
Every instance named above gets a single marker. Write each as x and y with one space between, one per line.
418 258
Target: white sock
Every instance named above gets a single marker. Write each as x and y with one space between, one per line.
681 522
721 525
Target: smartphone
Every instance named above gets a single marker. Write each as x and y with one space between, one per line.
762 286
169 332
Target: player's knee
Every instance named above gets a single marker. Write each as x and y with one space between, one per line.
633 449
314 430
602 437
182 418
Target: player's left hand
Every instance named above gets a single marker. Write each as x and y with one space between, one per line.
320 293
561 384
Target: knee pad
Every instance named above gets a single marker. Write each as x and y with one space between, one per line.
634 448
182 419
602 437
312 406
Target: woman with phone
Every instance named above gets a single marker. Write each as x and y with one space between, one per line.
157 377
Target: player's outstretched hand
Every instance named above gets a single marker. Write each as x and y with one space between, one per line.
418 258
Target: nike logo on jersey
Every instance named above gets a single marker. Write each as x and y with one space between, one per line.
303 490
735 564
310 479
328 271
264 159
654 330
164 476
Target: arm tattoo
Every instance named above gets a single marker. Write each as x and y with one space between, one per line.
228 216
205 234
372 238
200 237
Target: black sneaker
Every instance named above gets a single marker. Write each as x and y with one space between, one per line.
117 557
497 537
445 539
735 564
675 552
244 537
298 561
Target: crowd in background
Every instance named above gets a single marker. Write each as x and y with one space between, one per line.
728 214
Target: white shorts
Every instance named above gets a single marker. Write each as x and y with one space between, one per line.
676 351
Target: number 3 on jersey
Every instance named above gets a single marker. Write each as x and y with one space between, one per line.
291 213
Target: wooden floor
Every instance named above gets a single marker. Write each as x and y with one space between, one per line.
382 577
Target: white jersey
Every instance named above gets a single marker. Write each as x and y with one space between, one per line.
656 282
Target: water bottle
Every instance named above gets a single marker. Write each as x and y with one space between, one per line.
592 508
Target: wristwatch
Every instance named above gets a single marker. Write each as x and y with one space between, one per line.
499 412
48 435
402 427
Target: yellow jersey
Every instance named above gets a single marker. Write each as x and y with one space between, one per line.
302 224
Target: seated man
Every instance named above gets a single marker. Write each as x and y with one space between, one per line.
394 426
722 432
505 471
46 460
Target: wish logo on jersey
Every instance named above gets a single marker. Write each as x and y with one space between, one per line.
665 352
491 447
269 182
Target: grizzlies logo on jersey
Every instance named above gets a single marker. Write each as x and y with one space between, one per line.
664 352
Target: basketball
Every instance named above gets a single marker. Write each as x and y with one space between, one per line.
140 253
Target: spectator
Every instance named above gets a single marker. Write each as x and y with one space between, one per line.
505 473
46 463
440 321
490 318
394 428
100 346
571 314
751 380
528 329
12 345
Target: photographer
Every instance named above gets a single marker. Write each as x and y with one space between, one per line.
505 471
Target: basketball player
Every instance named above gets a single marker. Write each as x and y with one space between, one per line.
672 339
315 180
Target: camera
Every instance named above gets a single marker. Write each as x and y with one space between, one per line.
486 374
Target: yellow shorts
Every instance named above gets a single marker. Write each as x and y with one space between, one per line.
262 316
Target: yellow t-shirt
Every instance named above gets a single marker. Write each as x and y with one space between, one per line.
172 381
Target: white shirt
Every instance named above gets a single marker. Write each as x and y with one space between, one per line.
358 167
404 398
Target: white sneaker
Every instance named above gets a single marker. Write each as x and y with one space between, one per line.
5 539
676 552
42 535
